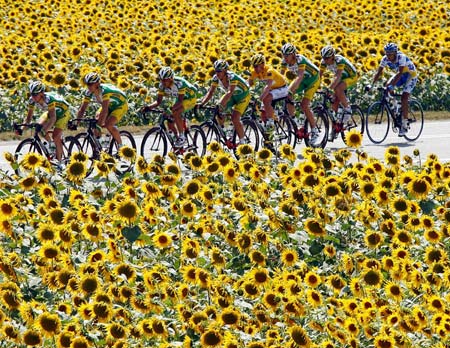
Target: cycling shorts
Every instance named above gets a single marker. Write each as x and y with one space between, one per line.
239 104
117 113
308 87
279 93
61 121
407 82
350 81
189 104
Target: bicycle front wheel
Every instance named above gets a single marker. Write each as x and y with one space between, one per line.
322 126
25 146
70 145
415 120
154 143
356 122
85 142
210 131
125 160
377 122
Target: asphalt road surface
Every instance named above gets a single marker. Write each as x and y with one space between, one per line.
435 139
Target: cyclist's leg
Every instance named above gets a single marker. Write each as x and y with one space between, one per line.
309 91
268 111
112 119
177 110
60 126
47 123
408 87
238 109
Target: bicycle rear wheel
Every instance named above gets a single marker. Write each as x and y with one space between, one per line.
154 143
356 122
415 120
70 145
377 122
25 146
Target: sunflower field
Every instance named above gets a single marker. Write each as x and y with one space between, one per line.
128 42
336 250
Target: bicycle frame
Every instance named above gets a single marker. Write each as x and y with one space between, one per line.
36 137
213 122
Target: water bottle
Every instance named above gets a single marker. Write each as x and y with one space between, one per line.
46 145
229 131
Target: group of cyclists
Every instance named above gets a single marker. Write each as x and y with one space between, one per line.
236 97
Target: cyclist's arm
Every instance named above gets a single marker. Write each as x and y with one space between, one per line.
337 79
266 89
377 74
179 101
104 113
294 85
51 118
82 109
227 96
157 102
29 114
208 95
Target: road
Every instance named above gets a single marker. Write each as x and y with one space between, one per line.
434 139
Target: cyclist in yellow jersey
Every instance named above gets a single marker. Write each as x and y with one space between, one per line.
236 97
275 86
345 76
113 103
56 113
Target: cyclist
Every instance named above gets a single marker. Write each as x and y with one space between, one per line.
113 103
56 114
275 87
345 76
186 99
406 76
306 81
236 97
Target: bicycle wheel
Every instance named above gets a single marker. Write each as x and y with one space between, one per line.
415 120
87 145
124 163
377 122
154 143
356 122
196 140
322 126
70 145
251 135
283 131
25 146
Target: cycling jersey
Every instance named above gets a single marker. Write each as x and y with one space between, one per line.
268 74
302 63
52 100
340 63
400 61
241 90
109 92
179 86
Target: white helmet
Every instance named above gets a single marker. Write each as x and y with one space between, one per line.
91 78
36 87
165 73
327 52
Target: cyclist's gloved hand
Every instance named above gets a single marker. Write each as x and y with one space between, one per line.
390 87
18 131
368 88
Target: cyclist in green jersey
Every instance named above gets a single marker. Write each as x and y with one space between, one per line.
236 97
345 76
113 103
186 99
56 113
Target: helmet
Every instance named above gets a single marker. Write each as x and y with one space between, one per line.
258 59
390 48
327 52
220 64
288 49
36 87
165 73
91 78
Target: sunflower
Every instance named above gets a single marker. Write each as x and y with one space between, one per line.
289 257
31 161
300 337
28 183
230 316
32 337
394 291
211 338
419 188
353 138
127 210
50 324
373 277
312 279
162 240
76 171
315 228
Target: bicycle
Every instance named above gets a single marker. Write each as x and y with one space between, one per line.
227 137
156 140
336 123
36 144
301 128
388 110
92 147
280 133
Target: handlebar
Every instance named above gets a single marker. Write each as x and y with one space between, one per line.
18 127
